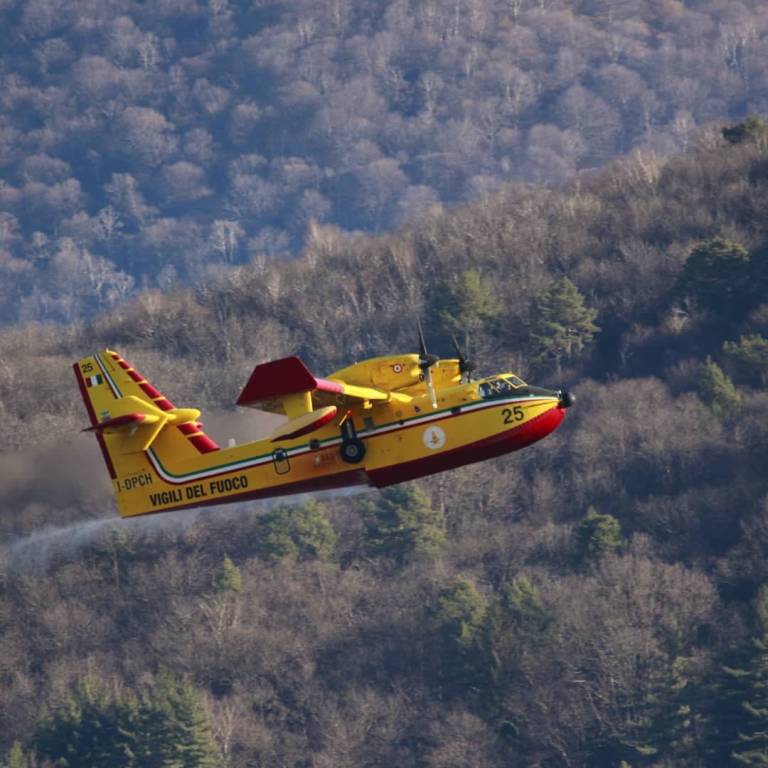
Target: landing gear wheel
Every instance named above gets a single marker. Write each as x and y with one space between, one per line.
353 451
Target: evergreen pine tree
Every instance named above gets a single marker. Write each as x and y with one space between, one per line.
723 711
750 128
674 724
402 524
751 746
751 356
518 624
174 730
560 325
300 532
460 620
228 578
16 757
467 305
716 390
597 536
91 730
715 278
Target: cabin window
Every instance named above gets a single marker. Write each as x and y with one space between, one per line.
281 461
499 387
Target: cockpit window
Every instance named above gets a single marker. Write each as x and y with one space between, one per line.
499 386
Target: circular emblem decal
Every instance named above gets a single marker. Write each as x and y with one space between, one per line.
434 438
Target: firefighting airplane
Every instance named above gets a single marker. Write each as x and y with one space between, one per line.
378 422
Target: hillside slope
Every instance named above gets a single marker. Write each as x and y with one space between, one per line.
594 599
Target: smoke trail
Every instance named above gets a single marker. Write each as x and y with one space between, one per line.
56 500
66 481
37 551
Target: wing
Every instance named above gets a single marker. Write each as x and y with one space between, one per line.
351 392
287 386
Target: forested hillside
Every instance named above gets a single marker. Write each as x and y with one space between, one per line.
598 599
143 144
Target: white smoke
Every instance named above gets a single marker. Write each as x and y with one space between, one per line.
56 500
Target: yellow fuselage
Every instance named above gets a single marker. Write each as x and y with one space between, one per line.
403 438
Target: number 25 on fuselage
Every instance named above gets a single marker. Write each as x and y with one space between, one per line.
378 422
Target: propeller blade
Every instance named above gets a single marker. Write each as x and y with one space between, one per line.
465 365
456 347
426 361
422 343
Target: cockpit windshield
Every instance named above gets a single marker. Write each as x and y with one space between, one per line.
501 385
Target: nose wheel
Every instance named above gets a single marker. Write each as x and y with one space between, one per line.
352 447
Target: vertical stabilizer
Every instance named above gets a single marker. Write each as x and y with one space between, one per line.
130 418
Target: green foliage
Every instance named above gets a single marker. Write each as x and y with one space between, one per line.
92 729
676 710
751 128
165 728
300 532
460 621
716 278
597 536
751 747
662 726
461 612
16 757
723 699
716 390
523 608
173 728
228 578
750 355
560 324
469 304
518 625
402 524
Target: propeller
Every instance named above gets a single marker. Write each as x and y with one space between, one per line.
566 398
465 365
426 361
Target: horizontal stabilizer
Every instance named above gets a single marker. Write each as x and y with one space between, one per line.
137 421
126 420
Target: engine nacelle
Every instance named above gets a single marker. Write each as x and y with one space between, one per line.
388 373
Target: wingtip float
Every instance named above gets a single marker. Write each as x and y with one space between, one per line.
378 422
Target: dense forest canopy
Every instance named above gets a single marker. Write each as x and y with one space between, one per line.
573 188
598 599
143 143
